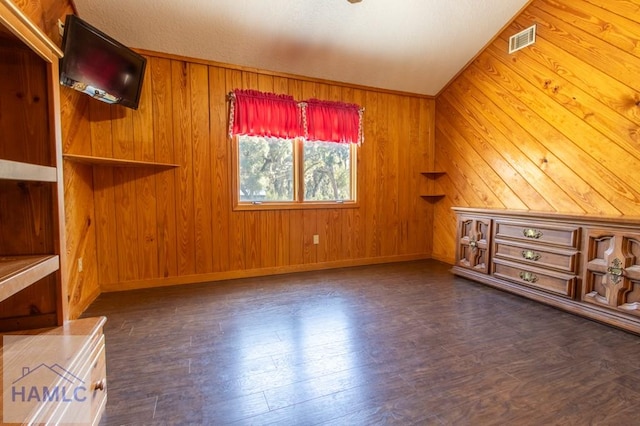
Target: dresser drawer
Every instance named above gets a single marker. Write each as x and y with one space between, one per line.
557 235
550 281
97 380
537 255
94 373
93 376
85 396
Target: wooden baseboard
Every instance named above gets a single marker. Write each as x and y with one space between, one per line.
443 259
248 273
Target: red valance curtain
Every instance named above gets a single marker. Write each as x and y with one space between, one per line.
333 122
256 113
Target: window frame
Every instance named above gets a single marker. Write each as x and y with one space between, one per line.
298 171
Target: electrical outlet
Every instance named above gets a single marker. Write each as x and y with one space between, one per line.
316 239
80 265
60 27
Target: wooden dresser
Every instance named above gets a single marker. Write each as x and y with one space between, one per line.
587 265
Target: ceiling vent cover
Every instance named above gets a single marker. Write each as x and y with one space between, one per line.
522 39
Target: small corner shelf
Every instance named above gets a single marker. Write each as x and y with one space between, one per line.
432 198
433 175
116 162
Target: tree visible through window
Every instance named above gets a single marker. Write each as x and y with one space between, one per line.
292 170
327 171
266 169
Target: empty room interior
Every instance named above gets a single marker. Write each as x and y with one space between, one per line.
341 212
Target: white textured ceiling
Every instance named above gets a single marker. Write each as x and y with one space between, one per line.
414 46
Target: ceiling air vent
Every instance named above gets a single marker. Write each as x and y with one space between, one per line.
522 39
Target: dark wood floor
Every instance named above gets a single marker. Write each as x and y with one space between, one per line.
389 344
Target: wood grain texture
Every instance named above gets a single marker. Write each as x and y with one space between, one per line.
553 127
236 242
31 213
104 193
45 14
178 223
407 343
160 74
82 286
183 155
125 194
144 150
220 154
370 176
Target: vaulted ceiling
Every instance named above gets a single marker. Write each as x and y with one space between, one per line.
414 46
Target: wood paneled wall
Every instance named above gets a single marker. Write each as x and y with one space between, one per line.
45 14
137 227
554 127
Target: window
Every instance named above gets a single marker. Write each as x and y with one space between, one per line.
289 154
327 171
289 172
265 168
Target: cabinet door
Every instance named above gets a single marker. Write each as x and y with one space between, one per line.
612 270
473 238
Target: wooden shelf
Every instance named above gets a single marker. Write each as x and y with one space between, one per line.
19 272
116 162
434 173
15 170
432 197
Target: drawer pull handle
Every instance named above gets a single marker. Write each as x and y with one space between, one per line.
532 233
530 255
616 270
473 244
100 385
528 277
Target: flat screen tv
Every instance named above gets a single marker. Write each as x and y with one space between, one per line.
98 65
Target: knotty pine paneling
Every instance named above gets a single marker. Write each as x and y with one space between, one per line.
156 227
80 219
27 206
45 14
183 150
553 127
27 226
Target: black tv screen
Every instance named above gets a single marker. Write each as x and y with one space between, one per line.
100 66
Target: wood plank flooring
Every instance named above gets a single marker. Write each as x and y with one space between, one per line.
404 343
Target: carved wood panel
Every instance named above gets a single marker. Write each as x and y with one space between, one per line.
612 270
474 235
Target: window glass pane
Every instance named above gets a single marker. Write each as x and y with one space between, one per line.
266 169
327 171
